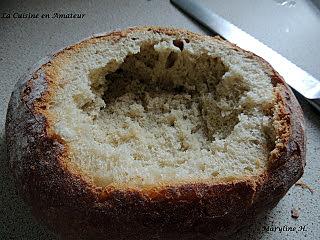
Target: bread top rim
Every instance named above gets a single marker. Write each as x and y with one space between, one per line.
33 100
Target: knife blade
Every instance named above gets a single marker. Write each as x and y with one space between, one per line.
298 79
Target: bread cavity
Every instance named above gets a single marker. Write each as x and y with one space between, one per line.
151 109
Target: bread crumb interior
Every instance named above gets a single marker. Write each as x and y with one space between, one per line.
165 114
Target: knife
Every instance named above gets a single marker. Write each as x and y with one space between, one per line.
298 79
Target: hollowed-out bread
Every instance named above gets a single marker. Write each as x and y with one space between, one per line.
153 133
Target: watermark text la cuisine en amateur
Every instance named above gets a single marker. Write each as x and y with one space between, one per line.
28 15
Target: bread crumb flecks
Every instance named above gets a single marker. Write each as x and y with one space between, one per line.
295 213
303 185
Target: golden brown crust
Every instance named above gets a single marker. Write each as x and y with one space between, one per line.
76 209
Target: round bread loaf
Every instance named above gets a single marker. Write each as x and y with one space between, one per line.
153 133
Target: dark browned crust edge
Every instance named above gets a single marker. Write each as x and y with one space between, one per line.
76 209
